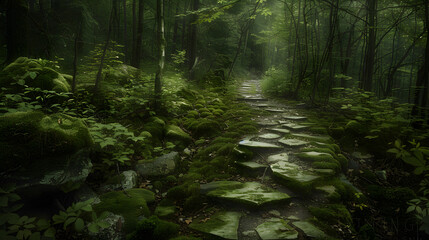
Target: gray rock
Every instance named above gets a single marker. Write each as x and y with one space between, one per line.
292 171
310 230
161 166
278 157
279 130
254 144
269 136
129 179
276 229
112 232
222 224
251 165
290 142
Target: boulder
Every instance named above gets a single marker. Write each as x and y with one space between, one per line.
161 166
34 73
177 136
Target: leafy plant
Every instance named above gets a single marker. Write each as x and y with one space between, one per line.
115 140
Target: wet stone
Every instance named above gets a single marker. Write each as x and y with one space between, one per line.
275 110
310 230
251 165
279 130
269 136
276 228
267 123
251 193
222 224
294 126
292 171
255 144
292 117
278 157
290 142
312 137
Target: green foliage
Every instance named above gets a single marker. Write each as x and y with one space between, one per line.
115 140
275 82
112 57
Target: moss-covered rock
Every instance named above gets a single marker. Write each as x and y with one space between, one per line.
34 73
221 224
204 127
131 204
155 126
177 136
154 228
354 127
332 214
34 135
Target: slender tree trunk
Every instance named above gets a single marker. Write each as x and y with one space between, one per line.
161 52
419 110
16 29
138 18
134 32
192 47
175 29
75 58
368 70
106 46
125 31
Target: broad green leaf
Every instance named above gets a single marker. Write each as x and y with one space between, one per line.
79 225
94 228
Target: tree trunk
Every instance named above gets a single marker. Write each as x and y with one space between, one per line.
125 31
134 33
419 110
161 52
16 29
76 51
368 70
138 35
192 47
106 46
175 28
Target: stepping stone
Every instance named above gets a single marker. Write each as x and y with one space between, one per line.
222 224
312 137
267 123
294 126
279 130
283 122
250 98
251 165
310 230
260 105
292 171
250 193
269 136
292 117
274 110
255 144
205 188
276 228
314 156
290 142
278 157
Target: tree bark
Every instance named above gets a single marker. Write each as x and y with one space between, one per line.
192 47
125 31
369 60
16 29
161 52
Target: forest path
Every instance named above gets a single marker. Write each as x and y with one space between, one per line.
292 172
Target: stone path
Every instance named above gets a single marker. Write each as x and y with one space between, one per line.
294 168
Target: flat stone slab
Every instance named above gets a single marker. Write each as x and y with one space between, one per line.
276 229
161 166
275 110
251 193
267 123
294 126
290 142
310 230
279 130
325 172
292 171
165 211
313 156
312 137
262 105
251 165
329 189
222 224
269 136
278 158
292 117
255 144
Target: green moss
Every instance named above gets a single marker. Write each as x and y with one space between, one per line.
131 204
320 150
181 192
206 114
157 185
199 106
218 112
171 179
154 229
343 161
33 135
155 127
177 136
192 114
193 203
326 165
204 127
332 214
354 127
315 156
41 76
320 130
337 132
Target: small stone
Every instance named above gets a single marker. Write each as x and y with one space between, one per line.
292 117
251 165
255 144
279 130
278 157
275 213
294 126
269 136
310 230
292 171
290 142
276 228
